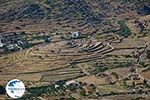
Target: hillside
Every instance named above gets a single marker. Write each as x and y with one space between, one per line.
76 49
53 15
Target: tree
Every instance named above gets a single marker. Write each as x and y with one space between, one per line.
124 30
2 90
115 74
148 54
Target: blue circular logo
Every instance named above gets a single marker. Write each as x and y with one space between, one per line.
15 88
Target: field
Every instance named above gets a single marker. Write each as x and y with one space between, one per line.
103 48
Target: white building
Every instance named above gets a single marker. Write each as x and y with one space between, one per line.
75 34
1 45
71 82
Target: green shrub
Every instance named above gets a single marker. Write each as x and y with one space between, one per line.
2 90
148 54
124 30
115 74
101 69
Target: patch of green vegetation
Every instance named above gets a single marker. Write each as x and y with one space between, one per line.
100 69
2 90
48 16
38 90
115 74
148 54
38 37
123 64
82 93
115 56
104 67
50 90
124 84
143 64
124 30
127 56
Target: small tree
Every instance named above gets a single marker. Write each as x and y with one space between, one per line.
83 93
115 74
148 54
2 90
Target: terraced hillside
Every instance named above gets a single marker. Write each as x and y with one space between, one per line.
76 49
